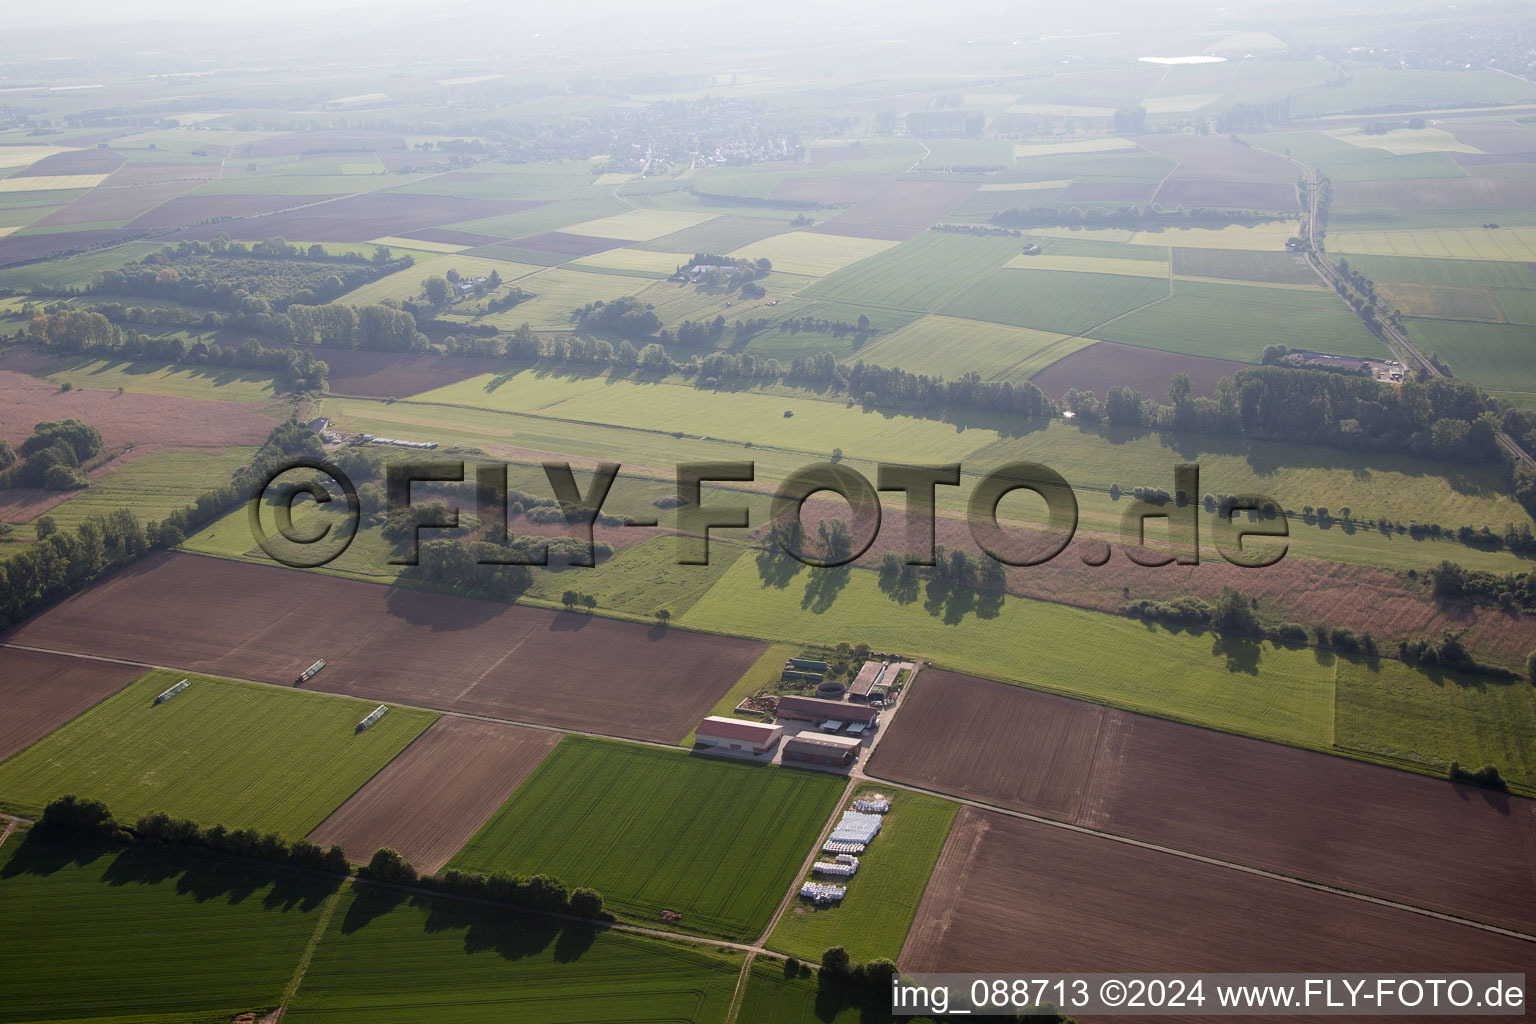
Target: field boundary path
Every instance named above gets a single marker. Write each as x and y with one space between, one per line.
302 966
741 985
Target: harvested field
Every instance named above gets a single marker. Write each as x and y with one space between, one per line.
838 188
901 210
192 209
115 204
1008 892
1381 831
1496 138
355 218
447 236
1107 192
129 418
157 174
1446 302
562 244
40 692
398 374
1105 364
1470 193
16 248
573 671
437 793
1233 195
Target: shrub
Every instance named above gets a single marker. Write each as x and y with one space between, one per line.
389 866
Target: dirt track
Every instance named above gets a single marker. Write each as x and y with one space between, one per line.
1017 896
1295 812
564 669
431 799
40 692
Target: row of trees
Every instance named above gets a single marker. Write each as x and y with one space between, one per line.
63 329
532 892
1450 582
69 560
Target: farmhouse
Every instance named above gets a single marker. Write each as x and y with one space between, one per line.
737 734
813 748
813 709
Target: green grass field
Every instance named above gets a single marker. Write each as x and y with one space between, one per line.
1441 301
1456 273
872 921
946 346
1256 689
557 293
920 273
454 963
240 754
771 998
718 841
153 485
223 383
537 220
1494 355
404 285
1053 300
1264 267
74 271
1426 721
139 935
1340 161
1231 321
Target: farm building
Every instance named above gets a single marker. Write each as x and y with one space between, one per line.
807 665
737 734
870 676
813 709
812 748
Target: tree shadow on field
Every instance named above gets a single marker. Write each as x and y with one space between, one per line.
440 612
777 569
204 877
369 902
1242 653
900 587
569 622
507 933
36 855
823 588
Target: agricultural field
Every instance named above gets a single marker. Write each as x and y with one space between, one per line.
223 383
638 225
1223 796
198 756
770 997
557 294
1493 355
43 691
135 934
1097 366
715 840
1053 300
458 962
917 274
405 285
563 674
810 253
1126 267
1037 643
436 794
945 346
1517 244
899 211
1236 322
1007 890
1237 265
873 919
1443 302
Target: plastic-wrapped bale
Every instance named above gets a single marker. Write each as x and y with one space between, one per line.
173 691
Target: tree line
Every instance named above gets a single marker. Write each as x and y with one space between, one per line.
69 560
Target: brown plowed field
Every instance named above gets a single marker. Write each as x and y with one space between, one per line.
901 210
436 794
80 161
130 417
1105 364
16 248
1218 158
40 692
447 236
1296 812
116 204
1017 896
569 670
1240 195
354 218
